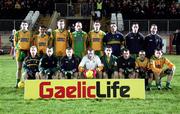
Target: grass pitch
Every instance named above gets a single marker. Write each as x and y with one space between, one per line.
156 102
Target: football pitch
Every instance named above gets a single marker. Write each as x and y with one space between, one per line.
156 102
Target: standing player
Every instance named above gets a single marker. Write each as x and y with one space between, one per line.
134 41
78 39
109 62
22 43
115 39
69 65
31 64
42 41
96 38
152 41
126 65
60 39
90 63
48 66
157 65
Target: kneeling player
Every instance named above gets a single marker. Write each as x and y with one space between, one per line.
90 65
157 63
48 66
126 65
31 64
110 65
142 66
69 65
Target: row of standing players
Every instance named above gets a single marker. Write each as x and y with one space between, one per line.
60 39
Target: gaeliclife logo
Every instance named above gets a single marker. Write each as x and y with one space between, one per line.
77 89
83 91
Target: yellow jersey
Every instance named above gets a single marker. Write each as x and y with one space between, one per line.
42 42
96 40
22 40
60 41
157 64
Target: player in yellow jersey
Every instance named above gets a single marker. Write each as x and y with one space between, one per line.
95 37
22 43
42 41
60 39
142 66
157 64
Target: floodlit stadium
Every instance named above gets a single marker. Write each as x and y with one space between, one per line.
90 56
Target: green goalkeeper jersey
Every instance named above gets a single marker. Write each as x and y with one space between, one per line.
78 39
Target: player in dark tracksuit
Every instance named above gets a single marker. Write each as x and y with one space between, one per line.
48 66
115 39
152 41
31 63
134 41
126 65
69 65
110 64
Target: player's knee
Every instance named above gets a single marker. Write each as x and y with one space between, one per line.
169 72
115 74
105 76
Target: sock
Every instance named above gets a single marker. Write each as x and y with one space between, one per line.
17 81
168 83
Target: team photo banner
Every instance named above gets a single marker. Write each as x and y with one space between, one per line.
88 89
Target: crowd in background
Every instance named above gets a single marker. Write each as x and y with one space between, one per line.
18 9
131 9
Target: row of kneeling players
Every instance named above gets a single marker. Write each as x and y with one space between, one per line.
107 66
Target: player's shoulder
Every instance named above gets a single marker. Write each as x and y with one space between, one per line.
148 35
140 34
84 32
114 57
119 33
128 34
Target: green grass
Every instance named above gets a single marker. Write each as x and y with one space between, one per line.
156 102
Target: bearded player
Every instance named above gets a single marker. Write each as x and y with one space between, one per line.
90 63
109 62
22 42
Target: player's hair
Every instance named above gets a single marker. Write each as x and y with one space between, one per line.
49 47
24 22
134 23
61 20
158 49
69 48
97 21
90 49
78 22
142 51
113 24
42 26
108 46
125 50
33 47
153 25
